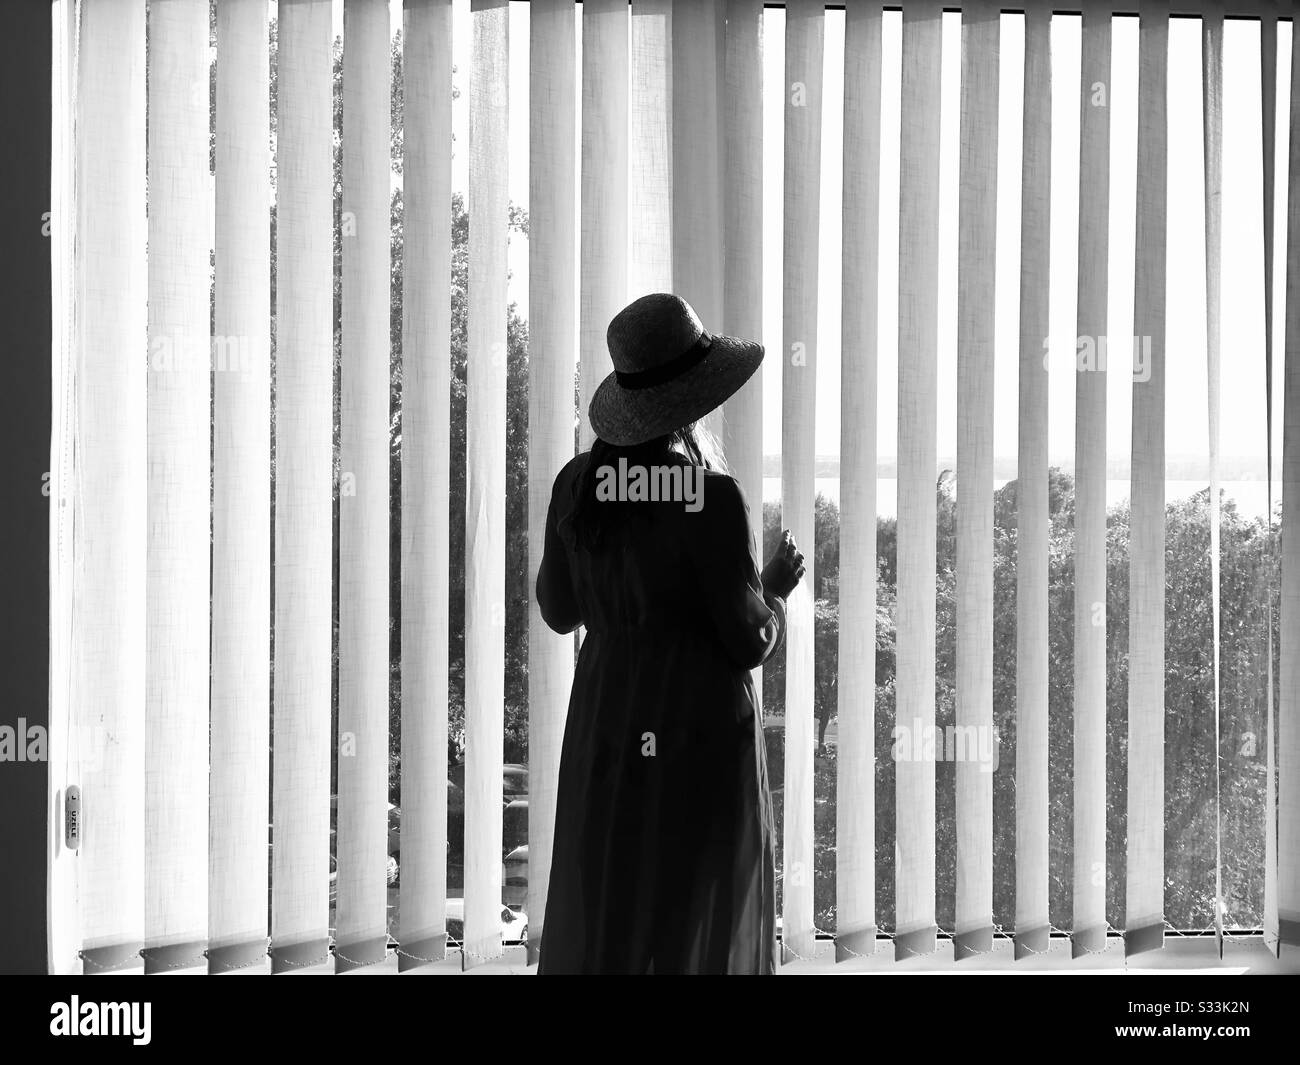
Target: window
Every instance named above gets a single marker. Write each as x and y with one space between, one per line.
943 226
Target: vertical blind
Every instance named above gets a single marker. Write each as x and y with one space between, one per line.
64 762
1145 879
178 418
977 224
742 237
110 481
1032 919
800 260
426 470
855 811
362 830
193 669
1268 116
485 478
604 184
1212 132
304 462
650 149
239 773
918 320
1287 914
553 339
1089 908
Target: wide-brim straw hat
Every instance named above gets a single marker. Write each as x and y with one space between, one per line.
668 371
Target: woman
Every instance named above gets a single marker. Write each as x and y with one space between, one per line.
664 850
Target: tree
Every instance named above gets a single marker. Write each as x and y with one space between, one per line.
1247 560
518 594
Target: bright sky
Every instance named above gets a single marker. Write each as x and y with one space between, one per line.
1242 380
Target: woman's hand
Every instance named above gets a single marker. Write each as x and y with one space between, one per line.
785 569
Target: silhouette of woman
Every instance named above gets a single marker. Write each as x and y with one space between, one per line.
663 859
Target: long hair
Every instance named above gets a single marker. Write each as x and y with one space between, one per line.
590 520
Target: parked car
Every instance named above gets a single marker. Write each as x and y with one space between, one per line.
514 782
514 924
514 828
514 877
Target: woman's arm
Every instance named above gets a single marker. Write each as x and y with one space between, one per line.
555 598
777 606
750 623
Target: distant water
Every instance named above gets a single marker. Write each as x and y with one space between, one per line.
1251 497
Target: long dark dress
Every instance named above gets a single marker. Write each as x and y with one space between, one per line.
663 860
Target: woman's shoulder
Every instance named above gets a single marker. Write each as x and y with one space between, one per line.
724 484
571 470
722 504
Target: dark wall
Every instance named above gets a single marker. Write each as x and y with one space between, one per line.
25 401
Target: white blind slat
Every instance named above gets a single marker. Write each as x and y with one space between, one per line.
855 812
1089 931
304 460
698 75
179 412
426 475
977 231
650 149
64 919
110 493
1144 907
361 936
918 314
1268 121
1288 724
1212 118
485 479
553 344
239 780
1033 523
604 185
742 296
804 30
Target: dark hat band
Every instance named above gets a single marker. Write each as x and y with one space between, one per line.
667 371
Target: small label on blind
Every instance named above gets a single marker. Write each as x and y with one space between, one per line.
72 818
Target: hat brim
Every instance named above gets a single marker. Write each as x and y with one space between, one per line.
629 416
